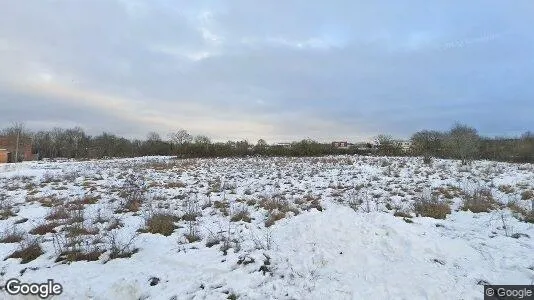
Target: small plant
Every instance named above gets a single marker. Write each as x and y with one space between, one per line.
429 206
526 195
273 217
241 214
193 233
28 251
481 200
6 208
58 213
191 210
402 214
44 228
161 223
120 248
214 239
506 188
12 235
78 255
133 193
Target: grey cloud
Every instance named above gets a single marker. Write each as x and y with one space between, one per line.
277 68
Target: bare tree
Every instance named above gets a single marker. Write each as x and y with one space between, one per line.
180 137
463 142
387 145
153 137
202 139
427 143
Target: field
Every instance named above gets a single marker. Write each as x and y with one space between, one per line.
345 227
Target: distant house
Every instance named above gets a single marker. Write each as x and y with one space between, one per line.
365 146
9 150
284 145
5 156
405 145
342 145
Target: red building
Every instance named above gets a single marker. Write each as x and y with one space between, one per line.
8 149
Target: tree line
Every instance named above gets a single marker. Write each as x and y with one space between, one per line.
460 142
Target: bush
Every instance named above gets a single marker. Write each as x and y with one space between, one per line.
402 214
12 236
273 217
241 214
162 223
45 228
431 207
526 195
28 251
481 200
78 255
58 213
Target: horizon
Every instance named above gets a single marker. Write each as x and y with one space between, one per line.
234 70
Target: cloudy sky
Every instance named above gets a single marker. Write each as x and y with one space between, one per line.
279 70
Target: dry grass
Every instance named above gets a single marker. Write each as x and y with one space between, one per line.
527 195
79 229
222 206
12 236
87 200
58 213
431 207
402 214
78 255
174 185
521 213
481 200
273 217
44 228
506 188
6 208
28 252
161 223
241 214
46 201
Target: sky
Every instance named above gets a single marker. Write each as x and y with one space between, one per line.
278 70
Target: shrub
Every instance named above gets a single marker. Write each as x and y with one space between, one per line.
402 214
506 188
161 223
6 208
273 217
12 236
28 251
241 214
526 195
78 255
431 207
57 213
118 247
529 217
481 200
44 228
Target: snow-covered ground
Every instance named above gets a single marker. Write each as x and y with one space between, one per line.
266 228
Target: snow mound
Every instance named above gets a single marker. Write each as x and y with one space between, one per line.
341 254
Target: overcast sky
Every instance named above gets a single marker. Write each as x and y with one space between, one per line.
273 69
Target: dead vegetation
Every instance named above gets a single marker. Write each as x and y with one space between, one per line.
28 251
479 200
160 223
430 206
12 235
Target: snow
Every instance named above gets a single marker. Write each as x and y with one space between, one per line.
337 252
